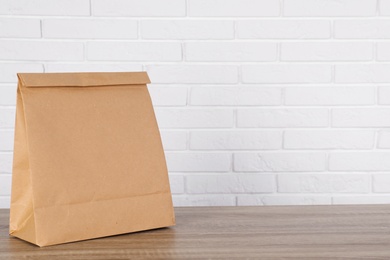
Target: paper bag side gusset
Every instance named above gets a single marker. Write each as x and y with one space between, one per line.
22 223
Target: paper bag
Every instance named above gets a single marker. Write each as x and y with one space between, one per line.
88 158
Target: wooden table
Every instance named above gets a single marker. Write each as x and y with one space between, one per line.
282 232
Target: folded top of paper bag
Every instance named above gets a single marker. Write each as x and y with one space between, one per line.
83 79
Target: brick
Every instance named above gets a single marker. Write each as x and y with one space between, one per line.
203 200
235 140
329 139
330 96
235 96
187 29
232 183
194 118
329 8
176 183
264 200
45 7
384 96
9 70
5 202
326 51
359 161
283 29
8 95
174 140
41 50
6 160
6 140
324 183
362 73
381 183
92 67
7 118
230 51
362 29
384 139
282 117
198 162
287 73
384 7
20 28
138 8
240 8
195 74
90 28
168 96
365 199
5 184
134 51
361 117
279 162
382 51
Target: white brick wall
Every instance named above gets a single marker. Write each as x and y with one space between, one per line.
329 139
186 29
331 95
238 8
199 162
329 8
9 70
260 102
236 96
283 29
287 73
18 50
326 51
230 51
89 29
7 119
45 7
23 28
136 8
135 51
362 29
226 183
282 117
324 183
235 140
280 162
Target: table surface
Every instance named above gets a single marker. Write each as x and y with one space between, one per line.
266 232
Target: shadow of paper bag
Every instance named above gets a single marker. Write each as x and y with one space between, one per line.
88 158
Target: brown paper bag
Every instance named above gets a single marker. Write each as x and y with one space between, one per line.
88 158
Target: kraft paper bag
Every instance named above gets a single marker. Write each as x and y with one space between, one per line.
88 158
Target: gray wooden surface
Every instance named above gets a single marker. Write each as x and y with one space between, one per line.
282 232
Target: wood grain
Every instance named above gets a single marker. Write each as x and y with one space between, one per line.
283 232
